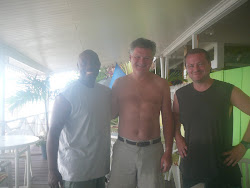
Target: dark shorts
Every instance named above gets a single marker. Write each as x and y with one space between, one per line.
211 183
94 183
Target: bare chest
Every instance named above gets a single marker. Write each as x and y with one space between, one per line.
147 94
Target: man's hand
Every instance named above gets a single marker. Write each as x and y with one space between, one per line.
235 155
166 161
181 145
55 179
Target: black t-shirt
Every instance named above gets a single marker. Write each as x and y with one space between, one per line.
208 129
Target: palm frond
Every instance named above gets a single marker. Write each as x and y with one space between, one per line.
176 77
126 67
33 89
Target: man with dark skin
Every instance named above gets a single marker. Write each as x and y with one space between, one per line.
138 99
204 107
78 143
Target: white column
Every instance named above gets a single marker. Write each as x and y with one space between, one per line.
16 168
166 66
220 55
155 65
28 167
194 41
2 90
162 67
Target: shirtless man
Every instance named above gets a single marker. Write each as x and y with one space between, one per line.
138 99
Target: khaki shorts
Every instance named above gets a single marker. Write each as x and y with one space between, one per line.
134 166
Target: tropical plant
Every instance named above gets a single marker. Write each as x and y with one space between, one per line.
176 77
126 67
105 72
33 89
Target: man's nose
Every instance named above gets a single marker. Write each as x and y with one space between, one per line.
196 67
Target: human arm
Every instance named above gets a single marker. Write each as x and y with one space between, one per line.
240 100
180 141
115 104
60 114
168 128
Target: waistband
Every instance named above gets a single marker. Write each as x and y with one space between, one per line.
140 143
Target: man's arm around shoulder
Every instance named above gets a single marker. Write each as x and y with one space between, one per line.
61 111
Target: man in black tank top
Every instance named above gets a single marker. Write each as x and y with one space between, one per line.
204 108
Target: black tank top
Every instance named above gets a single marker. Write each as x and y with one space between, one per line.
208 130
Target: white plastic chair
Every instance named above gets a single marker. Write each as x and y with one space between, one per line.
244 167
10 155
5 173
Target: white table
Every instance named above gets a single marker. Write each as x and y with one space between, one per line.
20 144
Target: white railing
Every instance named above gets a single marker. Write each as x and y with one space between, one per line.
32 125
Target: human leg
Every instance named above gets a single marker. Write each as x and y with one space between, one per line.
123 169
149 167
187 182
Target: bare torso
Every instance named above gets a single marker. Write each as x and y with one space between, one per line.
139 103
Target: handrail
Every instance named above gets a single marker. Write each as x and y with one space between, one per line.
30 125
21 118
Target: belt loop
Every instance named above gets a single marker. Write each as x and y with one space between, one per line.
151 142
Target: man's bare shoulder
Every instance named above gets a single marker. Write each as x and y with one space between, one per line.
122 80
158 80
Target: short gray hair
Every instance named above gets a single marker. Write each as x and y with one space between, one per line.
143 43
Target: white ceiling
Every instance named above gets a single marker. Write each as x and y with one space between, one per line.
53 32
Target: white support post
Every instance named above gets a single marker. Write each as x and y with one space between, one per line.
155 66
2 90
194 41
220 56
28 167
16 168
162 67
166 66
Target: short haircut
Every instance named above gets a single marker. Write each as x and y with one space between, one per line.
197 51
143 43
91 55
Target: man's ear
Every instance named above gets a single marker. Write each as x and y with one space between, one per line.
210 64
130 57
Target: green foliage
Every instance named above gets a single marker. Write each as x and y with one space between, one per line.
126 67
176 77
102 74
236 56
42 140
114 121
105 72
33 90
114 125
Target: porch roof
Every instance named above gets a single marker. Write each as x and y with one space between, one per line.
49 35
